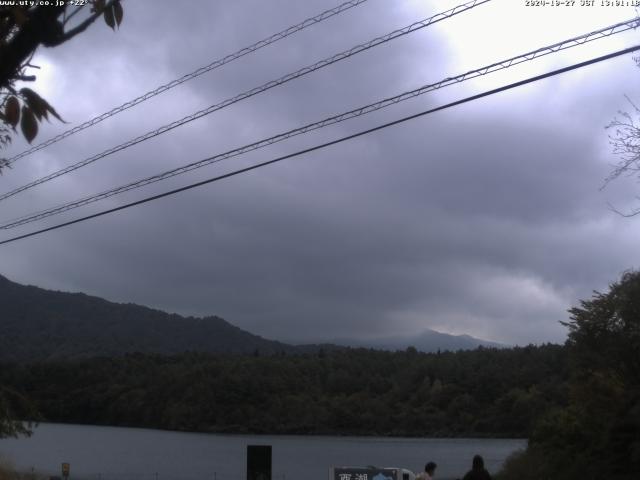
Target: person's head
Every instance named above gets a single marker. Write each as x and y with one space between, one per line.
430 468
478 462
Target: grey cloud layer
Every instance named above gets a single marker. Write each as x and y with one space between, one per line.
485 219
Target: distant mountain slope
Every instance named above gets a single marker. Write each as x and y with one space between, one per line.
38 324
427 341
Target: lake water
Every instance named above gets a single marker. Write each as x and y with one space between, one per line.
114 453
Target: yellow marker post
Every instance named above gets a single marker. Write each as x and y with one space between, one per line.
66 468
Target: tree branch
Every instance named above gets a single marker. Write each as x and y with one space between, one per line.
82 26
630 214
72 14
41 28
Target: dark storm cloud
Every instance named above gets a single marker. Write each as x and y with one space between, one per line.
485 219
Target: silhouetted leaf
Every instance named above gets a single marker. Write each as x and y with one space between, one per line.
118 12
35 102
12 111
53 111
28 124
109 18
39 105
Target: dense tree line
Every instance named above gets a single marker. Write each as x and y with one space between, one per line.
597 434
485 392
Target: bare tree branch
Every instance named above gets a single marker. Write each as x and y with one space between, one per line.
626 144
631 213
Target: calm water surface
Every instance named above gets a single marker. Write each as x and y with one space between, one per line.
114 453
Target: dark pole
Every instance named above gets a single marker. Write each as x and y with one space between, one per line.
258 462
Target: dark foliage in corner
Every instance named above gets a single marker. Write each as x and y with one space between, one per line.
598 434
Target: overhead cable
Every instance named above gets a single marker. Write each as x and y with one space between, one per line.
189 76
372 107
327 144
254 91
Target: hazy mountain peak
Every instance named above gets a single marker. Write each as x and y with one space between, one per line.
427 341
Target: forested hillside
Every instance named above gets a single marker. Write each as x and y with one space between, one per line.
39 324
486 392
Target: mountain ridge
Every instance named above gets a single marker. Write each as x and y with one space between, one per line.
40 325
37 324
428 340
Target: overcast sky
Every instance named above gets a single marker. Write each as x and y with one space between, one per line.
485 219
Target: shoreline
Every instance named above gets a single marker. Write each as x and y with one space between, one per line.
364 436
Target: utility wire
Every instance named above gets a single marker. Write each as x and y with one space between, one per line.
254 91
196 73
333 142
572 42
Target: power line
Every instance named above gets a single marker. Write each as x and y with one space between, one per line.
572 42
333 142
196 73
254 91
